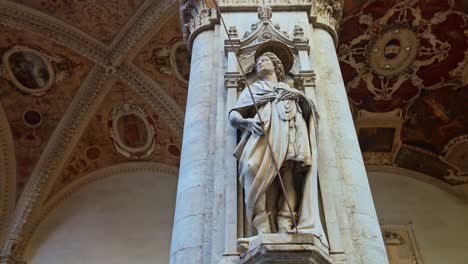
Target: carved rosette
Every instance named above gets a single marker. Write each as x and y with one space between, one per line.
132 131
327 14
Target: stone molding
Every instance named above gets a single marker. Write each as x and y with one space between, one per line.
7 173
64 194
61 144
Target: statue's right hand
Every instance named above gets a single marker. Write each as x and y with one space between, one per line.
252 125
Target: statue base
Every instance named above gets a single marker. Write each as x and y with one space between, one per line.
10 260
284 248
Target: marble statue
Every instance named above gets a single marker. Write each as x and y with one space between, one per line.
290 123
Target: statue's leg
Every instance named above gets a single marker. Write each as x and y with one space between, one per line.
261 220
284 215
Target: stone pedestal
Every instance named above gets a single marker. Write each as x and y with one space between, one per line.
286 248
10 260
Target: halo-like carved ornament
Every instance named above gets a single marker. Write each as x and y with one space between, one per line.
394 50
132 131
33 71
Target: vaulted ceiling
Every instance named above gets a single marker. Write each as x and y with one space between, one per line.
109 86
125 58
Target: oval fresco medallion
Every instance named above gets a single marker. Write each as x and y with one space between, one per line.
180 61
132 131
29 70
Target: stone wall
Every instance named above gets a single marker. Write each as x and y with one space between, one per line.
437 218
125 218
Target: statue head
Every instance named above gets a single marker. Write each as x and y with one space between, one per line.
267 63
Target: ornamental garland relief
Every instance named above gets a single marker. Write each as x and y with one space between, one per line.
132 131
33 71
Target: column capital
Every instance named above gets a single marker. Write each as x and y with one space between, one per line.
196 17
327 14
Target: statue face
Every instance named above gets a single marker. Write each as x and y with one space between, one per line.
264 66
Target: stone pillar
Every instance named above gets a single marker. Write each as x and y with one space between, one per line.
343 157
189 220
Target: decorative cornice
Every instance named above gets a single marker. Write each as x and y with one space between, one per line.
150 90
24 18
64 194
52 160
7 174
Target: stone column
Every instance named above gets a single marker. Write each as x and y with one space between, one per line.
342 156
189 220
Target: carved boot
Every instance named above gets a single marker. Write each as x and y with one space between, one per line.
285 223
262 223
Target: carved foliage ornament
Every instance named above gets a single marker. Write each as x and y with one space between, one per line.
32 71
132 131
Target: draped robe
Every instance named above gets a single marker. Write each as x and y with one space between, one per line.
291 127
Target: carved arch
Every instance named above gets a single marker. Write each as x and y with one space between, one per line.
7 173
60 197
456 192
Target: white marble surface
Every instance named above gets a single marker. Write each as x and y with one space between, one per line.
365 244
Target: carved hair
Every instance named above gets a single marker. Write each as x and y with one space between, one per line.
279 69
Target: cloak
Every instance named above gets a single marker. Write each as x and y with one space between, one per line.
291 126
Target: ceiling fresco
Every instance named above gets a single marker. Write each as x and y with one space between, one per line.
411 56
102 20
97 149
33 117
166 60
